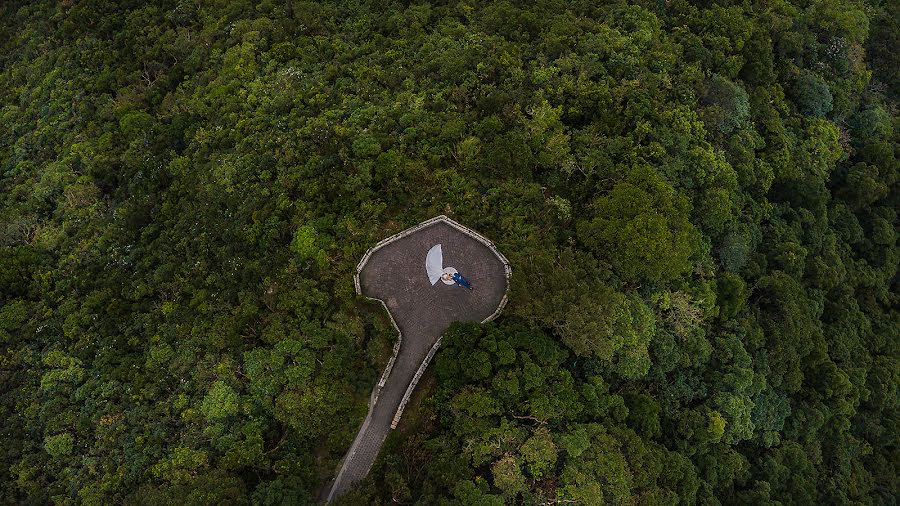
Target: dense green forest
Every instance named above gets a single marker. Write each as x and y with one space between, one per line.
698 201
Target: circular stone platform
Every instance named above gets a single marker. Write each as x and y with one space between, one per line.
393 271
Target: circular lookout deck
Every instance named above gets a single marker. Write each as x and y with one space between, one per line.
393 272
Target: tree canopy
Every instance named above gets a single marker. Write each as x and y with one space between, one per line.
698 200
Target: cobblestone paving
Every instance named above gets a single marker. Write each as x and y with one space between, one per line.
396 275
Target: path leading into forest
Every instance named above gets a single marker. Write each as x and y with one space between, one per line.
393 272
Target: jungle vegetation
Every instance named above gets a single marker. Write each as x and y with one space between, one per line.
698 200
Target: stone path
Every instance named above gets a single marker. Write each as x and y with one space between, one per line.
394 273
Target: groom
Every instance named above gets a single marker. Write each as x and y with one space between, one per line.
458 279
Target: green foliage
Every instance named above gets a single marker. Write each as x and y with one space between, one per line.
527 425
540 454
642 227
220 402
728 105
731 294
12 316
643 415
698 201
59 445
811 94
181 464
611 326
508 477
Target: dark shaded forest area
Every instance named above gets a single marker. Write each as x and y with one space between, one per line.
698 200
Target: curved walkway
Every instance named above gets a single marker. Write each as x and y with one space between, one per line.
393 272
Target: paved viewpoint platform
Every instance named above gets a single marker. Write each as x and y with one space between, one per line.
393 271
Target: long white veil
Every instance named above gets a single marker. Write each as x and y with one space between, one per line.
434 263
